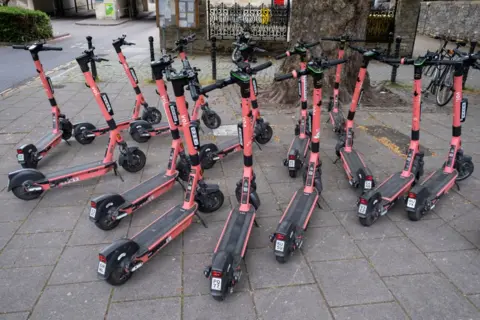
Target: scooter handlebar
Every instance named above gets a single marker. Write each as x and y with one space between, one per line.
281 56
48 48
358 49
42 48
332 63
262 67
217 85
281 77
194 89
313 44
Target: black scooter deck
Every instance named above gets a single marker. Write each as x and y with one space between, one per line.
78 168
353 160
394 185
148 186
236 231
438 181
227 144
46 140
158 228
300 207
300 144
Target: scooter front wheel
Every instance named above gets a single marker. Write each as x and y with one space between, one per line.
206 155
23 194
211 202
416 215
137 162
152 115
265 136
211 119
136 136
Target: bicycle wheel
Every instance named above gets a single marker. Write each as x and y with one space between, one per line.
433 85
445 89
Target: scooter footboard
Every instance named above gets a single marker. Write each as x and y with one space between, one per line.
236 232
300 208
111 256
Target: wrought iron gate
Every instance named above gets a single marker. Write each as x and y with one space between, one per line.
265 22
380 23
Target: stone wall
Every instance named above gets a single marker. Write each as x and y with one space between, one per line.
406 18
455 18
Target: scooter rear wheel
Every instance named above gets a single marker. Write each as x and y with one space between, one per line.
118 276
23 194
106 222
67 129
292 173
367 221
79 133
415 216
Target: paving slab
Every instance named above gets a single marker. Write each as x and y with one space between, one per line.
73 301
166 308
21 287
376 311
382 228
15 316
51 219
297 302
348 282
395 256
238 306
7 230
430 296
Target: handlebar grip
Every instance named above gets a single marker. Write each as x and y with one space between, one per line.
19 47
194 92
356 40
358 49
48 48
331 38
262 66
334 62
281 56
313 44
209 88
281 77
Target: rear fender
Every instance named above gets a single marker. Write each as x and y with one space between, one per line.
116 252
223 262
286 228
17 178
97 202
255 199
421 193
372 197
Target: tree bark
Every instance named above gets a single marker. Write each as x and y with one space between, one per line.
312 19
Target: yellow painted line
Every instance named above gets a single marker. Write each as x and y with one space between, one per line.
391 146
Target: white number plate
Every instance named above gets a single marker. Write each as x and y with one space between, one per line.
217 284
101 267
20 157
93 212
279 245
362 208
368 184
411 203
291 163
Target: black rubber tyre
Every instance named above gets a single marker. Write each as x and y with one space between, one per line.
183 168
206 160
78 133
67 129
444 95
152 115
214 202
219 298
139 160
415 216
211 119
281 259
118 276
292 173
367 221
465 170
265 136
106 222
138 138
20 193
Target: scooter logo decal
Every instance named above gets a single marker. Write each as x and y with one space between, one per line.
50 84
106 103
195 138
304 80
173 112
360 99
240 134
170 159
134 75
54 121
463 110
299 87
68 181
254 84
409 160
451 154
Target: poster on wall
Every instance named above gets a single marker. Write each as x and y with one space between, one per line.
166 10
187 12
109 10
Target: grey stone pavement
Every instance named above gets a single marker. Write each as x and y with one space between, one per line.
396 269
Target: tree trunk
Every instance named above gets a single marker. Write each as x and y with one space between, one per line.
312 19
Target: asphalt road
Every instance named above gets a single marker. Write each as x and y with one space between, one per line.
16 66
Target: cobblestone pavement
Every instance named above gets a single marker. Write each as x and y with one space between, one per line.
395 269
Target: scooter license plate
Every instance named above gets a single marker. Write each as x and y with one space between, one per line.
279 245
93 212
216 284
20 157
291 163
411 203
101 267
368 184
362 209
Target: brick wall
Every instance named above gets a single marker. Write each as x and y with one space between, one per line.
454 18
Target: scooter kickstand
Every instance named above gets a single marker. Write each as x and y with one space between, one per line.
117 173
181 184
458 186
255 223
67 142
258 145
319 206
334 162
201 220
